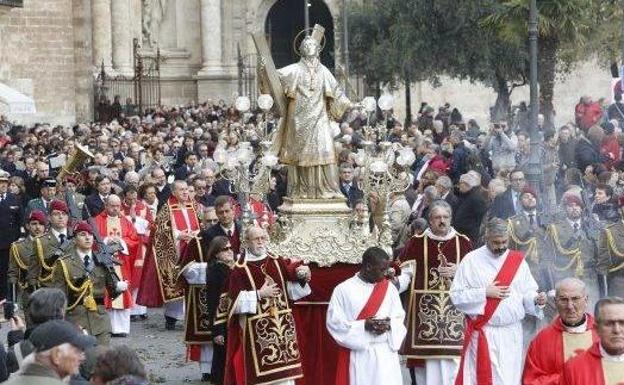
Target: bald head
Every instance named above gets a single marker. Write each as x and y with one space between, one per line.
571 301
113 205
571 283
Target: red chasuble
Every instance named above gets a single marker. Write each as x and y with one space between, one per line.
140 211
589 368
123 228
262 348
551 348
484 365
159 283
435 329
369 310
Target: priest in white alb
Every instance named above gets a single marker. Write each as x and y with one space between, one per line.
365 317
494 288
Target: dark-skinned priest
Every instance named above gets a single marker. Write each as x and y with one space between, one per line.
365 317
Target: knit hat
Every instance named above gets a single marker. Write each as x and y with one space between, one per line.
83 226
569 199
528 190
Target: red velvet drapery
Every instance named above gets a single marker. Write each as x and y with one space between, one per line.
319 350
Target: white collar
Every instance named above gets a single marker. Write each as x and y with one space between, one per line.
82 255
572 223
57 233
451 234
232 228
580 329
609 357
249 256
527 213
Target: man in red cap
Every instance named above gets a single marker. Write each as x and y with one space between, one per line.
611 255
23 256
85 281
527 234
48 247
113 227
574 246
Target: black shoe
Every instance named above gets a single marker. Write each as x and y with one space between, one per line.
206 377
170 323
134 318
143 317
119 335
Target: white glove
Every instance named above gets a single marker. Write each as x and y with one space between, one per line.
122 286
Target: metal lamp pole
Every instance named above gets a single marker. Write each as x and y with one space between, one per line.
534 170
306 16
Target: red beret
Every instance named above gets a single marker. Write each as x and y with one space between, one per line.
59 205
39 216
71 179
83 226
528 190
573 199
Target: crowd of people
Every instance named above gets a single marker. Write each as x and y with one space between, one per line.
152 220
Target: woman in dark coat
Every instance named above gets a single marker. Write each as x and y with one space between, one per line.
220 260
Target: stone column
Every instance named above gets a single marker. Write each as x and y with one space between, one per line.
122 37
212 49
102 36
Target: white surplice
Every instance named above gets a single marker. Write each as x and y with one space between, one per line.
504 330
374 359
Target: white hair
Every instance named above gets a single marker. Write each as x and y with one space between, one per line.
571 281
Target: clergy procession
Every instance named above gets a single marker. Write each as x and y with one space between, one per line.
300 231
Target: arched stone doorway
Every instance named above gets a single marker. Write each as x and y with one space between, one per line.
285 20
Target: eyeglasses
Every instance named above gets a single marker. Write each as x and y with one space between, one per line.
212 220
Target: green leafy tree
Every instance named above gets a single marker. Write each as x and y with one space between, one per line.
561 24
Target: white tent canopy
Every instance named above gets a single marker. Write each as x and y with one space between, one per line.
16 102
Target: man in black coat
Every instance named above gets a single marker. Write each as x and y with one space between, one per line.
183 172
444 185
163 190
94 203
10 223
226 226
471 207
587 151
348 186
507 204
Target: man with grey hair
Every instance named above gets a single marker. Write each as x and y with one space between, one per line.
571 333
603 362
116 229
261 287
445 190
438 250
494 288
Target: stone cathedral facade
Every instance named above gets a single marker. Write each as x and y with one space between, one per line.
52 50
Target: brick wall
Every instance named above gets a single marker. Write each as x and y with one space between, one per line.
37 56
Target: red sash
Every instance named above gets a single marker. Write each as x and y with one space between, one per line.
484 364
369 310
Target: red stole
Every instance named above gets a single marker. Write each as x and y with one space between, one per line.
179 222
369 310
484 364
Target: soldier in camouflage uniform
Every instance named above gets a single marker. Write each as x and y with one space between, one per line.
85 282
611 256
574 244
22 257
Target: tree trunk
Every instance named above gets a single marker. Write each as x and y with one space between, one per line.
500 110
408 101
615 71
546 77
